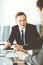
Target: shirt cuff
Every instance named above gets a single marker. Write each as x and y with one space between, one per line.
24 56
30 52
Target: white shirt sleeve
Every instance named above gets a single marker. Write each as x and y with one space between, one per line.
30 52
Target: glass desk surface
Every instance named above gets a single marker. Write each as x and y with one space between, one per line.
8 57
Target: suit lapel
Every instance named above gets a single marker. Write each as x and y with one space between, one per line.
27 34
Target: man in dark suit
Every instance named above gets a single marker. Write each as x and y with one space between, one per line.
29 31
38 59
25 35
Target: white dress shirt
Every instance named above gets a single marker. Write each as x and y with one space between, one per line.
29 51
23 34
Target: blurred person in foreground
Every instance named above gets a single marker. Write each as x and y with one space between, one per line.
38 59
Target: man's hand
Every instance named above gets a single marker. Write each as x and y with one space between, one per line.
7 46
20 55
20 51
18 47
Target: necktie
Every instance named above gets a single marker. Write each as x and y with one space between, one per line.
42 32
22 38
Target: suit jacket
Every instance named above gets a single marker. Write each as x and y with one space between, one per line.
31 35
36 59
40 40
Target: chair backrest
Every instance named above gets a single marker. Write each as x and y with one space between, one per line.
4 33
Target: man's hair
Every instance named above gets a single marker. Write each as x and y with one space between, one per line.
40 4
19 14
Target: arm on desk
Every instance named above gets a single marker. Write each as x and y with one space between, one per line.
20 48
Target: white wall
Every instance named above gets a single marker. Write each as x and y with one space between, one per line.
8 9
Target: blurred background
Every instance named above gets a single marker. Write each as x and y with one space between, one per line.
8 9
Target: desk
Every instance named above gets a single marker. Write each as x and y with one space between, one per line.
7 57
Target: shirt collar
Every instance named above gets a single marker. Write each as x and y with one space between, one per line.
21 29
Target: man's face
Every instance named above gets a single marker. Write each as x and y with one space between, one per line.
41 16
21 21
